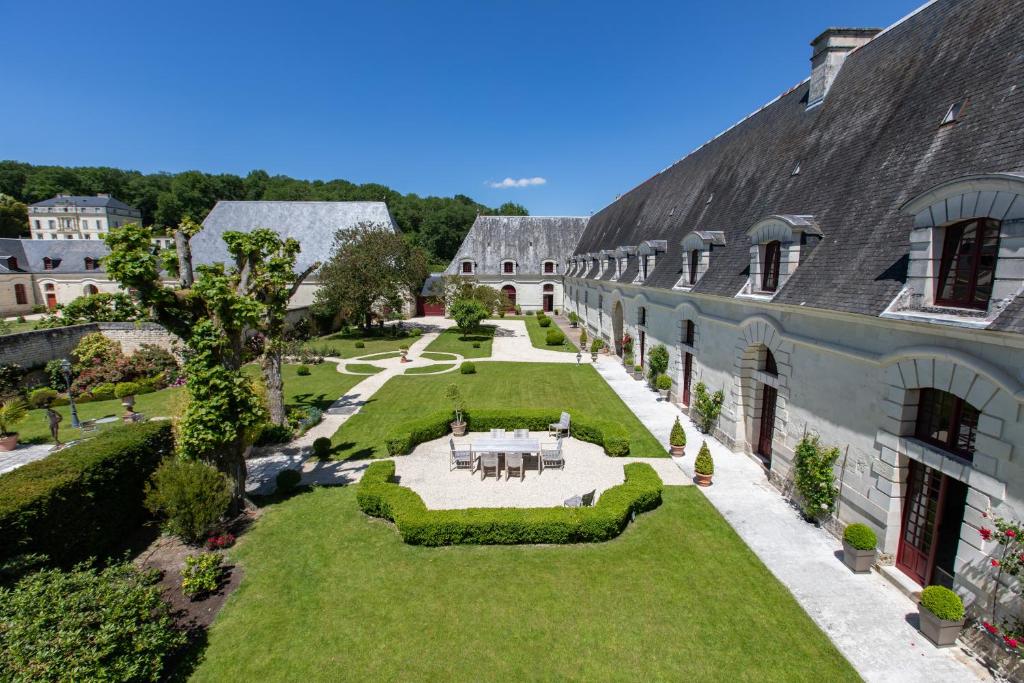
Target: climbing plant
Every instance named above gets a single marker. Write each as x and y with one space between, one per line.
708 406
814 476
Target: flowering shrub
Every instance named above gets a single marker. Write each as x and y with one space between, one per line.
708 407
1009 561
220 541
814 477
201 574
627 343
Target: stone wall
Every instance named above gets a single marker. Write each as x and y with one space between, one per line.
38 347
132 336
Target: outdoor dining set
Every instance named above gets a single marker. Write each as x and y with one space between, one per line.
510 452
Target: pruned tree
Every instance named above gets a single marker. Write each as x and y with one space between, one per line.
452 288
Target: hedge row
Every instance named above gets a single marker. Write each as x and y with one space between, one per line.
83 501
403 438
378 496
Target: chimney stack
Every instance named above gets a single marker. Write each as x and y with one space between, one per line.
829 51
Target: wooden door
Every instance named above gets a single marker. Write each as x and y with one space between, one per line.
915 556
764 440
51 300
549 302
687 371
643 338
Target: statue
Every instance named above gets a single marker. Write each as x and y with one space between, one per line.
54 419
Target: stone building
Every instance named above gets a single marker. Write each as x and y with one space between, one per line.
523 256
47 273
74 217
849 261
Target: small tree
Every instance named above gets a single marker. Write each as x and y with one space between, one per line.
678 436
814 476
192 496
657 362
708 407
583 339
468 314
453 394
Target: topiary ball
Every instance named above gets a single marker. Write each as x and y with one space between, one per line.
544 321
360 345
860 536
467 368
322 447
287 480
943 603
554 338
302 371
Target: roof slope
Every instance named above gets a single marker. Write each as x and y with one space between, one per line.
313 224
68 255
872 145
85 200
527 240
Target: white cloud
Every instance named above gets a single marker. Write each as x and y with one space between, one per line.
517 182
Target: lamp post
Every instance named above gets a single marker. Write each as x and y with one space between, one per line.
65 366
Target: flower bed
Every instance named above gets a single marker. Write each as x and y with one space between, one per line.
379 496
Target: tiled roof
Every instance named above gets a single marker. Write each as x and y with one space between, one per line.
85 201
67 256
528 240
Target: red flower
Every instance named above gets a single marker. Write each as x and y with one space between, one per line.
990 628
986 534
995 563
1012 642
1010 533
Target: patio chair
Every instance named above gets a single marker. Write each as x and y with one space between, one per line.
522 434
560 427
460 459
551 455
514 461
584 501
488 462
497 433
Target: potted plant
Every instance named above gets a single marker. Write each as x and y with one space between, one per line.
595 347
704 466
859 543
941 615
677 440
12 411
638 372
627 360
583 339
574 319
126 392
404 350
664 384
455 396
627 344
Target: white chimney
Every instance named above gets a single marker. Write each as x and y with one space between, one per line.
829 51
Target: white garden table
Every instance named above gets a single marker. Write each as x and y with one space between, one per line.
508 444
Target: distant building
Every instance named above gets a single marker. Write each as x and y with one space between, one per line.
74 217
47 273
522 256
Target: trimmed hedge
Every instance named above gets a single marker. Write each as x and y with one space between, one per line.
860 536
82 501
378 496
943 603
405 437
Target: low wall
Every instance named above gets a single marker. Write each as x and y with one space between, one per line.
38 347
131 336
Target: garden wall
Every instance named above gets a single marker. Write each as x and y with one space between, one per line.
38 347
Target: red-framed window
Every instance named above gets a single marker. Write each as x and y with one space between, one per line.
947 421
508 267
20 295
467 266
694 260
772 258
549 266
967 266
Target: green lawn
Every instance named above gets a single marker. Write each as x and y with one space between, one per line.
438 356
363 368
320 388
430 369
452 341
538 335
330 594
494 386
13 327
343 344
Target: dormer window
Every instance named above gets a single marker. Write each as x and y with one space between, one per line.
954 113
467 267
48 263
770 274
697 247
622 255
968 264
647 254
549 267
508 267
12 263
694 262
91 263
775 246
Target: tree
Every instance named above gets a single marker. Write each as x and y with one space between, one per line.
370 268
467 314
13 217
454 287
103 307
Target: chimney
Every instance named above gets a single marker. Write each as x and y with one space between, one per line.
829 51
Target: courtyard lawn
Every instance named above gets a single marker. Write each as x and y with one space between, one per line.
430 369
494 386
453 341
343 344
677 597
319 389
363 368
538 336
14 327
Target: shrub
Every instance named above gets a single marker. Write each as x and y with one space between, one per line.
704 464
151 360
943 603
103 391
378 496
41 397
95 349
596 345
657 362
467 368
678 436
201 574
860 536
82 501
518 309
302 371
225 540
288 480
415 332
814 477
554 338
708 407
359 345
192 497
544 321
322 447
126 389
476 345
663 383
10 379
638 368
12 411
120 369
539 314
583 339
627 360
271 433
55 378
86 624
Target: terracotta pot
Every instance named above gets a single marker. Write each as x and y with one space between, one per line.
859 561
941 632
9 442
703 479
677 451
458 428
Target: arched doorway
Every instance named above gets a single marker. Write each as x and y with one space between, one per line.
89 290
769 398
51 296
617 327
549 298
510 292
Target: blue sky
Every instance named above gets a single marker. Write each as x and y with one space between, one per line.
427 97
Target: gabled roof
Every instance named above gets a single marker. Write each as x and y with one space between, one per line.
529 240
68 256
873 144
313 224
102 201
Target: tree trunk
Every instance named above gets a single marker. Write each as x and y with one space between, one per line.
232 464
271 363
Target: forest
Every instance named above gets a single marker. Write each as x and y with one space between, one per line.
436 223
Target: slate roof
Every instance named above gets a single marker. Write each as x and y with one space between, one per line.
85 201
313 224
873 144
68 255
528 240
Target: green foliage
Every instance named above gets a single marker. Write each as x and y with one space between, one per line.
573 318
657 362
12 411
596 345
41 397
678 436
124 389
704 464
201 574
627 360
103 392
544 321
150 360
468 314
476 345
708 407
454 394
302 371
13 217
467 368
379 497
82 501
663 382
271 433
360 345
10 379
191 496
322 447
638 368
95 349
86 624
583 339
288 480
97 308
943 603
860 536
554 337
814 477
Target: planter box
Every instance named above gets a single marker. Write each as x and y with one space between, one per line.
859 561
941 632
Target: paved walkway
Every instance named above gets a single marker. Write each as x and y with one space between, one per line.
869 620
512 343
23 455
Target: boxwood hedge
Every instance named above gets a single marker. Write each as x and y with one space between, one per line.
379 496
82 501
406 436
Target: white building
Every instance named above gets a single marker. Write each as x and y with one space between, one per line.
74 217
47 273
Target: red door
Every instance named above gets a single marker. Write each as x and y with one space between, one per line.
549 303
925 488
764 441
687 371
51 300
510 292
643 338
